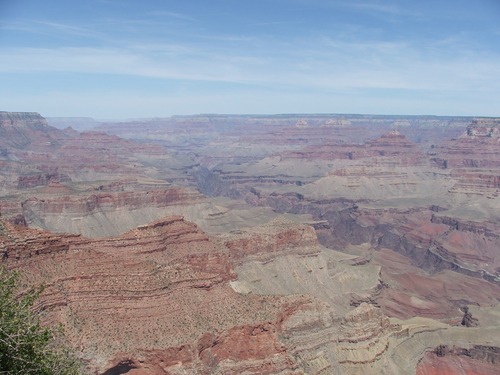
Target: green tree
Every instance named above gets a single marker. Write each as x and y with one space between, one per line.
27 347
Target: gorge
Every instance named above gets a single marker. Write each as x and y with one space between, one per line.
286 244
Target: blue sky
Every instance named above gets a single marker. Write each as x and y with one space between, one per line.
153 58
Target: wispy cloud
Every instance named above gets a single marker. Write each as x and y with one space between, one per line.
380 7
54 29
162 13
71 29
124 62
328 65
321 58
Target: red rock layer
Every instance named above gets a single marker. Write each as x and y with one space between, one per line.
391 148
276 238
476 361
152 299
112 201
33 153
26 129
431 263
473 158
41 179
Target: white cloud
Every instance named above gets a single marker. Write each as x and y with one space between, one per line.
292 73
162 13
328 64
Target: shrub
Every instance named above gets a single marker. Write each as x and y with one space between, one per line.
27 347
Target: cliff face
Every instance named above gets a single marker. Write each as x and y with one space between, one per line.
21 129
410 224
391 148
63 180
474 158
388 193
477 360
279 237
164 299
41 179
101 213
364 336
22 120
150 299
343 328
431 248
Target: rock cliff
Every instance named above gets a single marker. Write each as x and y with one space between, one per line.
473 158
151 299
101 214
474 361
22 129
391 229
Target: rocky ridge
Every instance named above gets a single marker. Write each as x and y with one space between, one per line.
479 359
179 280
128 302
414 218
473 158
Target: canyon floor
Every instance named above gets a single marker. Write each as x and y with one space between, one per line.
287 244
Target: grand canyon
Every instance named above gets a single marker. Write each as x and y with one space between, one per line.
272 244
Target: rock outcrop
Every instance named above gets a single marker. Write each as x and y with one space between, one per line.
26 129
477 360
473 158
269 241
468 320
364 336
151 299
410 222
391 148
41 179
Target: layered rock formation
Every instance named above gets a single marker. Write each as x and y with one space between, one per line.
410 223
158 300
479 359
364 334
56 179
391 145
269 241
25 129
102 214
342 330
474 158
155 299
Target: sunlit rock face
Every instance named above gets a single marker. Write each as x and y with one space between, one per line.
154 297
260 244
478 360
473 158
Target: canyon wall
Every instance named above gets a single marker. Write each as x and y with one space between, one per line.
331 243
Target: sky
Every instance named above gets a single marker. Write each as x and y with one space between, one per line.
111 59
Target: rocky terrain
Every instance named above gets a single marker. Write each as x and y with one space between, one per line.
288 244
149 299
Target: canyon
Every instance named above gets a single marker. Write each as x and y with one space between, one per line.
285 244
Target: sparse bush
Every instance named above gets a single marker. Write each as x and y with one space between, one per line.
26 347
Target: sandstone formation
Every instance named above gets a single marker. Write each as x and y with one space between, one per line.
468 320
151 299
21 130
473 158
157 300
103 214
477 360
351 244
364 335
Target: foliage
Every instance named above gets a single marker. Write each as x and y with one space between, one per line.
26 347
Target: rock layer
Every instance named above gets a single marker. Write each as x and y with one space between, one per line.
478 360
416 220
150 299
